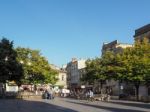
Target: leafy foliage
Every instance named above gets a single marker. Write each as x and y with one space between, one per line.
137 61
36 67
10 69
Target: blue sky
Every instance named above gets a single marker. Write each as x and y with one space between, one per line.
63 29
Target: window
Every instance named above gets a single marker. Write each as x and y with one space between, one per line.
62 78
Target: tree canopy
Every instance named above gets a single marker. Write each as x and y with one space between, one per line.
36 67
10 69
137 63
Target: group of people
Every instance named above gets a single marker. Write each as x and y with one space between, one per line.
82 94
86 94
64 92
48 94
89 95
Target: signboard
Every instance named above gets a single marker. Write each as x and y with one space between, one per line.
11 87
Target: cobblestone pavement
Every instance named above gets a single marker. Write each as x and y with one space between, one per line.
71 105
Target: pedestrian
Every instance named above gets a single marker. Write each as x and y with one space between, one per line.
91 95
46 94
87 94
51 93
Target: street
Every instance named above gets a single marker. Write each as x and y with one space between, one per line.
71 105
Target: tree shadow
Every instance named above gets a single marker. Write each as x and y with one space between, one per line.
132 104
30 106
112 109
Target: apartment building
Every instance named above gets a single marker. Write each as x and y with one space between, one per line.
142 32
62 76
114 46
75 69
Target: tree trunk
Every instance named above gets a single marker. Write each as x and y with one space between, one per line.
101 86
137 91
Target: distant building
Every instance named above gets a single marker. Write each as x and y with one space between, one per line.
142 32
62 76
114 46
75 70
62 79
54 67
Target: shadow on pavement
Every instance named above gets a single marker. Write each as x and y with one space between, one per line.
132 104
30 106
112 109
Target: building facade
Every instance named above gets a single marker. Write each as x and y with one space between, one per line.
62 79
75 70
62 76
142 32
114 46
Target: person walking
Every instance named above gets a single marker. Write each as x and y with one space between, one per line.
91 95
46 95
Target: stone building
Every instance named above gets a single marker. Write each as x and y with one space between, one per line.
142 32
75 70
62 76
114 46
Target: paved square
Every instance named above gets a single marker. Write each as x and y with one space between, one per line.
71 105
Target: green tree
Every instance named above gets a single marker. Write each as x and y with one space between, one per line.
114 66
111 67
36 67
94 72
108 64
10 69
89 76
50 77
137 63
